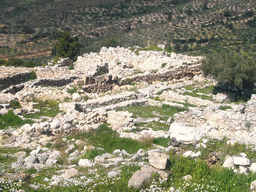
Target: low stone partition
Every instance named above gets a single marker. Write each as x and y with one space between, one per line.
107 82
14 88
58 82
15 79
179 73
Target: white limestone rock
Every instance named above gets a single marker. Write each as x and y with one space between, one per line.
241 161
229 162
185 134
139 179
113 174
253 167
187 177
192 154
253 186
158 160
69 173
85 163
76 97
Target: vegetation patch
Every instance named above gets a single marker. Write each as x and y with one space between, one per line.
49 108
163 112
72 90
11 120
109 140
235 73
224 107
201 93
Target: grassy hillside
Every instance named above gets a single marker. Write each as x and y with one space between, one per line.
29 29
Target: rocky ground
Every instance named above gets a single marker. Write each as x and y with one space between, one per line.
55 137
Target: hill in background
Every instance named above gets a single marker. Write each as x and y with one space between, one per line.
29 29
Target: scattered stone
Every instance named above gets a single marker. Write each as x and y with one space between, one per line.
241 161
22 177
163 173
113 174
85 163
192 154
139 179
229 163
158 160
69 173
20 154
187 177
253 186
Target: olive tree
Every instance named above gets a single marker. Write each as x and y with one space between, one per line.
235 73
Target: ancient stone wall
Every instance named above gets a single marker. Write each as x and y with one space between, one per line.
58 82
181 72
6 82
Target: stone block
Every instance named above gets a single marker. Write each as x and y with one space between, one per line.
164 174
139 179
158 160
78 82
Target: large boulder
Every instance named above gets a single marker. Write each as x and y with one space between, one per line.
185 134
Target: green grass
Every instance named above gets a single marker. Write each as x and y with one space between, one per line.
13 150
155 125
109 140
224 107
90 154
205 178
11 120
7 159
72 90
48 108
15 104
194 93
148 111
161 141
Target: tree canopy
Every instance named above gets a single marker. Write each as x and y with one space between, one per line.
235 73
67 46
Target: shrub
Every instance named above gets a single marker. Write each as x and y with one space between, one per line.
15 104
67 46
32 75
235 73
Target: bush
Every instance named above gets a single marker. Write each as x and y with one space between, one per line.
67 46
235 73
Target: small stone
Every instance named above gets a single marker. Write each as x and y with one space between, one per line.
113 174
139 179
69 173
229 163
85 163
187 177
158 160
22 177
253 185
20 154
74 154
76 97
253 167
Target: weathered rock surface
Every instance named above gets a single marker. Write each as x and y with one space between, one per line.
139 179
158 160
